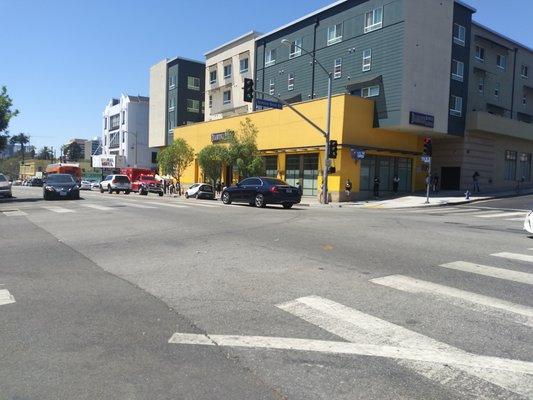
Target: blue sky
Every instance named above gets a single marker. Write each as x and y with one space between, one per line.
62 60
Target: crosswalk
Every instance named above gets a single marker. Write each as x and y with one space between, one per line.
473 212
6 297
472 375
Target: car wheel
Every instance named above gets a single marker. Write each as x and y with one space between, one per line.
287 205
160 194
126 192
109 189
186 195
101 189
117 191
226 198
260 200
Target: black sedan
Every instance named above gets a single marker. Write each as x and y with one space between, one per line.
262 191
61 186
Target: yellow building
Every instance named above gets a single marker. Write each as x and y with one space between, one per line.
32 167
294 151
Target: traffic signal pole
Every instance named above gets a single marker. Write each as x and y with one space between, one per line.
428 183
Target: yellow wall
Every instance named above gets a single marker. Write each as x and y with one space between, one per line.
31 167
286 132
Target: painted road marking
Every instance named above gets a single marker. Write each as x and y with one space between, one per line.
458 211
14 213
357 327
514 256
136 205
500 273
190 203
514 312
59 210
6 297
168 204
515 219
502 215
97 207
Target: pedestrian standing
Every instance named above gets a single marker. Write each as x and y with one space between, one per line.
165 186
376 186
475 182
299 187
177 189
218 188
395 183
348 189
435 183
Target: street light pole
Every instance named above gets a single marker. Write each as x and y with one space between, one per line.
327 133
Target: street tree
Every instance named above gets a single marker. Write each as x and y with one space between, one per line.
45 154
72 152
243 152
21 139
211 159
174 159
10 167
6 113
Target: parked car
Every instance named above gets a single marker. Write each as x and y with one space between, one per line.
200 191
17 182
59 186
260 191
5 186
147 184
95 184
116 183
85 185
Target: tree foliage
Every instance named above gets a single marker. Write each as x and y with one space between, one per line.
72 152
211 159
174 159
45 154
243 152
10 167
6 111
21 139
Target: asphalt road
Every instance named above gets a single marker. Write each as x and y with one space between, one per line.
129 297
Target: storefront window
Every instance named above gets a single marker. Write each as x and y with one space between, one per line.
271 166
510 165
525 167
386 168
304 169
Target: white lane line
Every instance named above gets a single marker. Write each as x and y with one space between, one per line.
454 211
97 207
514 256
59 210
168 204
500 273
202 205
323 346
502 215
515 219
514 312
352 325
136 205
6 297
15 213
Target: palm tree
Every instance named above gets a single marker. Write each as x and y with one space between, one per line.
22 139
45 153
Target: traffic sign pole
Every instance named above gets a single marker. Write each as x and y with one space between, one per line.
428 181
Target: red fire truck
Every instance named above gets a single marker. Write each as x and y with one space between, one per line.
143 181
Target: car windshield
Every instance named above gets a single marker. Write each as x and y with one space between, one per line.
122 178
273 181
59 178
2 178
194 186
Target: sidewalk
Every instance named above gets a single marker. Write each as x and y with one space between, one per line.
417 200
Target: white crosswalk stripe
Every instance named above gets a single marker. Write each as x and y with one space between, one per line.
137 205
502 215
6 297
191 203
97 207
59 210
14 213
513 312
168 204
499 273
514 256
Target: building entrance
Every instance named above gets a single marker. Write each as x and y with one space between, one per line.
386 168
303 168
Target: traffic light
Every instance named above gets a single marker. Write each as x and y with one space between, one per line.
428 147
248 90
332 149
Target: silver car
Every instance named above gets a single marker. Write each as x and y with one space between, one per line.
5 186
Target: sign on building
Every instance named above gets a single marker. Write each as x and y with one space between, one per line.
425 120
357 154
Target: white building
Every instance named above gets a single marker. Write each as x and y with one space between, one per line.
125 132
226 68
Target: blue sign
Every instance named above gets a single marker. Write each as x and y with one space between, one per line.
268 104
426 159
357 154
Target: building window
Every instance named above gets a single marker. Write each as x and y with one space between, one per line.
296 48
459 34
525 167
481 85
193 83
456 107
272 86
497 89
213 76
244 65
270 58
337 68
123 117
154 157
334 34
105 123
193 105
290 82
374 20
123 137
524 71
501 61
172 81
227 71
114 122
367 60
458 69
372 91
171 104
210 101
226 97
510 165
480 53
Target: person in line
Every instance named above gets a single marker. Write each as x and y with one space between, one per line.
475 182
376 186
348 189
395 183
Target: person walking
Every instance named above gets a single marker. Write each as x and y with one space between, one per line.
435 183
348 189
475 182
376 186
395 183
